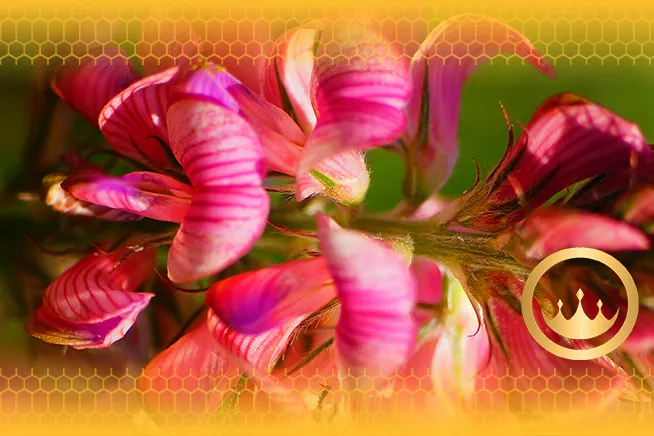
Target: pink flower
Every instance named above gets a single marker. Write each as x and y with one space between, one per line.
449 55
94 303
167 123
376 329
568 140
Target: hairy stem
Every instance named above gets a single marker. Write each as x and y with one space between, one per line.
438 243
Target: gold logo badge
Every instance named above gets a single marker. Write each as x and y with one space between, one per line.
579 326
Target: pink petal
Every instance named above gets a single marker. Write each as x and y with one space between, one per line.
88 87
222 157
257 354
134 122
638 208
344 177
63 202
361 89
93 304
552 229
376 332
150 195
429 280
287 76
192 376
256 301
165 43
451 53
571 383
543 380
568 140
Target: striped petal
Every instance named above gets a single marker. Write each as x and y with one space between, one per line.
93 304
360 91
61 201
257 301
257 354
98 78
376 332
439 69
192 376
551 229
222 157
568 140
150 195
134 121
287 76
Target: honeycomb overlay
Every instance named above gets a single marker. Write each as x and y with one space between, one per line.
596 36
92 397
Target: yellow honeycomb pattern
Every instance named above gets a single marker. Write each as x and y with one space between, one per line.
50 33
93 397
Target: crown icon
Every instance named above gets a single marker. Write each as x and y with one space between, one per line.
579 326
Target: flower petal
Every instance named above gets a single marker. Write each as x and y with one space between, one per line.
222 157
98 78
376 332
150 195
551 229
344 177
287 76
568 140
257 354
192 376
439 69
361 88
92 305
256 301
63 202
134 121
638 208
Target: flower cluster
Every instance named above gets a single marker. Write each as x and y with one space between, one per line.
358 302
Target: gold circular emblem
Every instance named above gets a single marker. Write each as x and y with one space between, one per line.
579 323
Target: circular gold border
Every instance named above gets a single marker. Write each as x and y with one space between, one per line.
580 253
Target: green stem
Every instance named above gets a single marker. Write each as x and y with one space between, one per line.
438 243
430 240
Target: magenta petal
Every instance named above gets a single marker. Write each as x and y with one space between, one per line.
451 53
89 86
256 301
638 208
63 202
569 140
552 229
191 376
222 157
255 353
287 76
361 90
145 194
134 122
376 332
93 304
344 177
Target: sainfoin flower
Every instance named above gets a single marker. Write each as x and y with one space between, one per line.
419 307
